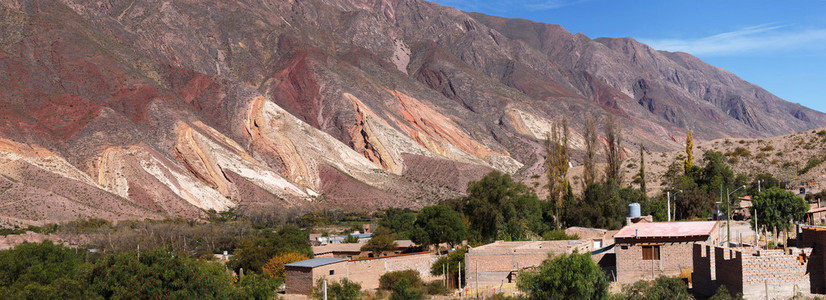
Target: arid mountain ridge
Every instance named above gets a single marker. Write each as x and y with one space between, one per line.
154 109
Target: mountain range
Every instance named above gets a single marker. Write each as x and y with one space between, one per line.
156 109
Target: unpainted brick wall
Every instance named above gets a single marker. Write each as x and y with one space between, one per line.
704 277
753 272
674 257
493 268
368 271
365 272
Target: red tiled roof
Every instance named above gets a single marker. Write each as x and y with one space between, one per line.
667 229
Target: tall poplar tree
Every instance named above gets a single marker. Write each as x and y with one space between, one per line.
689 152
642 168
613 136
556 166
589 171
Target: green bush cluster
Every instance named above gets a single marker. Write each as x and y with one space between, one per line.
49 271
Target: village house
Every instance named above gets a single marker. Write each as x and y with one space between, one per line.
648 250
302 276
499 262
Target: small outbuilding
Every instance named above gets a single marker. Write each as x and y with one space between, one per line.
301 276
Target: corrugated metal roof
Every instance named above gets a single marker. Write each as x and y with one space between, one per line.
315 262
666 229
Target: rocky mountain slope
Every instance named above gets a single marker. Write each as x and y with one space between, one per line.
152 109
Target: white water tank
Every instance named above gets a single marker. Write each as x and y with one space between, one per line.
634 210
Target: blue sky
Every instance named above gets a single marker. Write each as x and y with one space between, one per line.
778 45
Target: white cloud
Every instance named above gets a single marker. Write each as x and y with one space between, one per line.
756 39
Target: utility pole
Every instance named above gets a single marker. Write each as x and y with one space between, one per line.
668 196
675 204
728 215
756 231
325 289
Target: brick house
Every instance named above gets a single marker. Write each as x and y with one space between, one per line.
301 277
649 250
497 263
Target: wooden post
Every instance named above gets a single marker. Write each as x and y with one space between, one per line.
477 279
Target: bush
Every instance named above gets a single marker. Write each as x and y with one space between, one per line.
406 290
158 274
341 290
436 288
554 279
43 271
388 280
813 162
662 288
723 294
275 266
405 284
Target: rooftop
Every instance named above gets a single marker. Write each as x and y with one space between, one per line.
816 210
667 229
315 262
526 247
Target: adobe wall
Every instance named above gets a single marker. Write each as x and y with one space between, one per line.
492 269
674 257
368 271
365 272
301 280
756 272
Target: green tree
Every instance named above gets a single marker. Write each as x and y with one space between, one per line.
603 205
439 224
567 276
766 181
43 271
450 262
497 207
689 152
158 274
641 174
776 208
589 174
255 251
381 242
556 166
400 222
613 137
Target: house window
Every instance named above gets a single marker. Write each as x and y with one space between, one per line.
332 272
650 252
